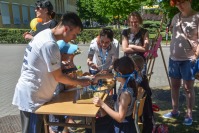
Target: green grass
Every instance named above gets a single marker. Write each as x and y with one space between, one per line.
164 102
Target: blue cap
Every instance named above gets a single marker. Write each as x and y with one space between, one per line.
67 48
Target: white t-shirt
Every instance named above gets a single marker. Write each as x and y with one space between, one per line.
36 84
109 55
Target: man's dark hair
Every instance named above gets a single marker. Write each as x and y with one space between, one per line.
72 20
107 32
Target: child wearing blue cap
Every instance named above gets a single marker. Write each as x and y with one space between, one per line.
68 51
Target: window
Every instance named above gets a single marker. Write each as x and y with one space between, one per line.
16 13
32 12
59 6
25 14
5 13
72 2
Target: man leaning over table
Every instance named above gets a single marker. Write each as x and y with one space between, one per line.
41 71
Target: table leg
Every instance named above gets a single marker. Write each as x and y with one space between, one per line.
93 124
45 124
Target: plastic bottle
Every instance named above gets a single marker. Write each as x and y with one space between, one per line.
79 71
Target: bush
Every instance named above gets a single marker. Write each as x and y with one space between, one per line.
12 36
88 34
153 26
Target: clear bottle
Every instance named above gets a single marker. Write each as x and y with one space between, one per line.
79 71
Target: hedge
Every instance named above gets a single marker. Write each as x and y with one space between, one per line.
88 34
14 36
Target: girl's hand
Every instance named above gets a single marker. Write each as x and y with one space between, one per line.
97 101
104 71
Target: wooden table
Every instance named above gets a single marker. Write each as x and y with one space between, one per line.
63 104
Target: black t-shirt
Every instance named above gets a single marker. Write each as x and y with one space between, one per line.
137 39
41 26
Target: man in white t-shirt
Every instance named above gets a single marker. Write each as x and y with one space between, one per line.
41 71
104 49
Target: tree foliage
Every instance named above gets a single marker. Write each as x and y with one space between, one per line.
115 7
171 11
85 9
100 9
105 8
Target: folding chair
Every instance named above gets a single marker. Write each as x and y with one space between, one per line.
138 109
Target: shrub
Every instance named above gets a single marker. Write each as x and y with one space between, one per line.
13 36
88 34
152 26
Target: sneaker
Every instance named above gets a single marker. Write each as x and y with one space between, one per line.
171 115
188 121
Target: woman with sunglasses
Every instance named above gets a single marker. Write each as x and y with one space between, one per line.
184 50
43 10
122 114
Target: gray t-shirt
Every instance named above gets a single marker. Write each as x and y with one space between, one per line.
36 84
110 54
180 49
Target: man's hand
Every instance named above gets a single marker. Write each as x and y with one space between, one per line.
84 82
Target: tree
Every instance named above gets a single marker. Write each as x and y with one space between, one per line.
171 11
116 8
85 10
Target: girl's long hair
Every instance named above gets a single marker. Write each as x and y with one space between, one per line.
125 66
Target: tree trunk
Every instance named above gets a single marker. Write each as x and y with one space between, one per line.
118 22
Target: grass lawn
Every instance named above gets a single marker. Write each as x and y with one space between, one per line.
161 97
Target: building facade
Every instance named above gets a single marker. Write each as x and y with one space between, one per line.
19 13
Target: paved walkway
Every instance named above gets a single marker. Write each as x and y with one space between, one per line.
11 57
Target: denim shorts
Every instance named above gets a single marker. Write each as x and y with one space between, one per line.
181 69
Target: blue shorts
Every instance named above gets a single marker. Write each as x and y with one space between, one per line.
181 69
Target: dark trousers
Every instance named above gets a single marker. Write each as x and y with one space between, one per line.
31 122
